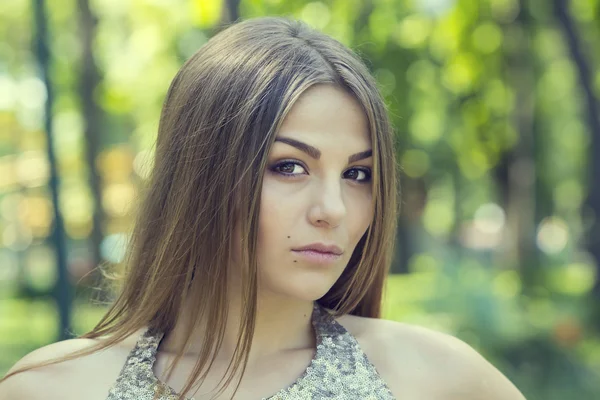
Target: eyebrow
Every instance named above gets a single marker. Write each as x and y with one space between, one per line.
316 153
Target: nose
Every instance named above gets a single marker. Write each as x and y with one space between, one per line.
328 208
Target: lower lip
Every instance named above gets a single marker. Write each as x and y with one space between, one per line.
317 257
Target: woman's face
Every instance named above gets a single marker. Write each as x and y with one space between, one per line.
312 193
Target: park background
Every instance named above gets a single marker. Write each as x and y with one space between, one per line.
496 107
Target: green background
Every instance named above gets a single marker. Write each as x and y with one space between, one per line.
495 103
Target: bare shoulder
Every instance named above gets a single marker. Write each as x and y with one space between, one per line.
418 362
68 379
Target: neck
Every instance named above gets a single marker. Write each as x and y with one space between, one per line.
282 324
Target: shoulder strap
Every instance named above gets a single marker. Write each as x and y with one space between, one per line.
338 347
144 351
136 379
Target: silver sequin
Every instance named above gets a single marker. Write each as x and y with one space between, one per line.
339 370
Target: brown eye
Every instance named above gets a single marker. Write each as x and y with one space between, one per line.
361 175
287 168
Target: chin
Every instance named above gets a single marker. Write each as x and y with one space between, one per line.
298 281
301 290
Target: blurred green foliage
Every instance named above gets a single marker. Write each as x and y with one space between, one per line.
488 106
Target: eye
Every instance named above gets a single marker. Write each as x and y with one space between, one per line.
361 175
286 168
289 169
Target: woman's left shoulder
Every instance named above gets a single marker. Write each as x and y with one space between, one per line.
424 363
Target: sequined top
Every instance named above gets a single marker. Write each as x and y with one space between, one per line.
339 369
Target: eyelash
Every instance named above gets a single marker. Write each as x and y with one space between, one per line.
367 171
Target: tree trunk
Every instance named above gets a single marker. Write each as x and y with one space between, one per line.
522 200
591 103
231 11
63 290
89 80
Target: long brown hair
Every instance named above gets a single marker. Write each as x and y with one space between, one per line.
218 122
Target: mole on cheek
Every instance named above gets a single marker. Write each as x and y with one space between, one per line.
288 237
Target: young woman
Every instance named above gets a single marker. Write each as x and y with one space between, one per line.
258 258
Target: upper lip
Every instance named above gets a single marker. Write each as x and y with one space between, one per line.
322 248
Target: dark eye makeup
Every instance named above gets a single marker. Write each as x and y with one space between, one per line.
277 169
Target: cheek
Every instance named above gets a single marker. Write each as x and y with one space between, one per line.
277 212
360 212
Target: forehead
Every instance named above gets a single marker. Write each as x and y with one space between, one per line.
326 113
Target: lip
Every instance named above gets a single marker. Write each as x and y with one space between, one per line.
317 257
320 248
